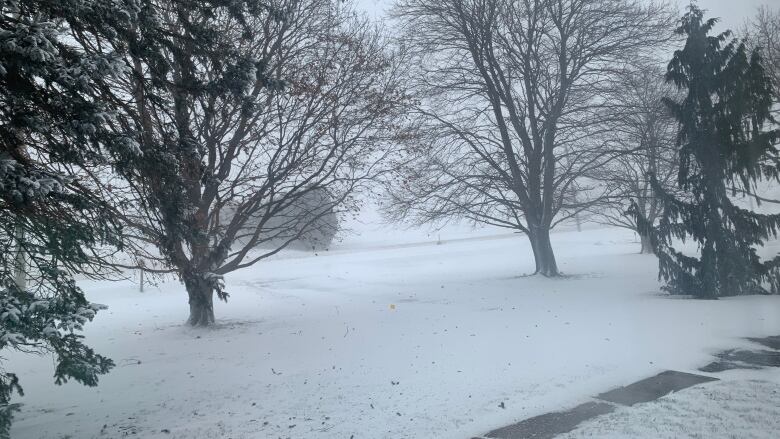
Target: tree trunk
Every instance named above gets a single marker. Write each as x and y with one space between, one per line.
647 248
201 301
543 252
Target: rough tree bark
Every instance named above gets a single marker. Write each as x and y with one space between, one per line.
201 300
647 248
544 257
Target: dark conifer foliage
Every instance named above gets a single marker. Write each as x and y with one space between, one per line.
51 225
725 141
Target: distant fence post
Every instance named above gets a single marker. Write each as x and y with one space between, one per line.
20 259
141 266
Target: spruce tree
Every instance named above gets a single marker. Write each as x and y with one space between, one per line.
52 125
725 144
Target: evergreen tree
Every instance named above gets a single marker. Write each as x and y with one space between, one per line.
723 143
51 226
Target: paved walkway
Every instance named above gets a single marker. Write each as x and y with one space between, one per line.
549 425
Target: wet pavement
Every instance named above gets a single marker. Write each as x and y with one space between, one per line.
746 358
770 342
549 425
650 389
743 359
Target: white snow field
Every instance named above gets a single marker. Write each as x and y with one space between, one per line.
416 341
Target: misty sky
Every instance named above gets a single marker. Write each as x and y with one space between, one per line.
732 12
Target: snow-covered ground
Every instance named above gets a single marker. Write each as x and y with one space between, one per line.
376 341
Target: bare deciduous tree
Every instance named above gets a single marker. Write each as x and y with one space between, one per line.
507 122
644 128
224 147
763 32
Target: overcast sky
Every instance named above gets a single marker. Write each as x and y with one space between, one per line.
732 12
